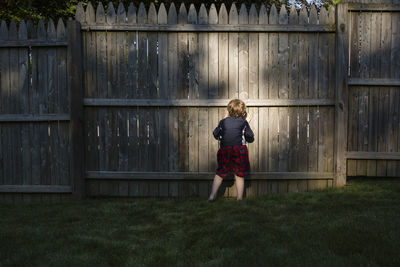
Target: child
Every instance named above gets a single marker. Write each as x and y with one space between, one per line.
233 131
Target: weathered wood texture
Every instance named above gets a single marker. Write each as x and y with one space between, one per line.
374 91
155 84
158 118
34 111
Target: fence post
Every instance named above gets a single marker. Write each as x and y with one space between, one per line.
75 82
342 59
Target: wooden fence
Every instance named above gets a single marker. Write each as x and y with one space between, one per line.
123 103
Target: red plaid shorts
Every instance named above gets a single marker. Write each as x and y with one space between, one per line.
234 158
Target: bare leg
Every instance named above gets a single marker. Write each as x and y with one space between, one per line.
216 184
239 187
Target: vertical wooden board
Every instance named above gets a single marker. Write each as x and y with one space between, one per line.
203 55
133 139
122 136
262 187
273 135
213 55
251 188
254 147
331 65
292 186
143 139
163 188
355 44
143 70
89 39
323 53
121 83
153 188
92 188
15 101
283 186
293 56
203 188
204 136
313 57
153 133
5 70
273 63
303 139
133 188
393 130
52 69
91 140
44 155
173 189
162 55
313 139
303 55
293 141
263 144
212 142
132 68
173 139
63 92
374 72
323 139
243 55
152 51
114 139
263 70
253 56
172 54
183 62
223 56
183 139
317 184
193 139
1 156
283 139
233 55
330 139
24 87
111 37
363 129
163 138
193 56
54 154
283 55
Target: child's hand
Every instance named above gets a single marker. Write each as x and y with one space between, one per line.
248 116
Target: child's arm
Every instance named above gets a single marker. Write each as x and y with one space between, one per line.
217 131
248 133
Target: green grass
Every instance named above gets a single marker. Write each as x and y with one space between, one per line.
357 225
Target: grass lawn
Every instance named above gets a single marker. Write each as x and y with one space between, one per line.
357 225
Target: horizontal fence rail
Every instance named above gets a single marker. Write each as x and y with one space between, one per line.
92 102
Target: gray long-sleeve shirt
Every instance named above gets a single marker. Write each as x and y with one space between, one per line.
232 130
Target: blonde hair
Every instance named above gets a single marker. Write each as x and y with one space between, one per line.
236 108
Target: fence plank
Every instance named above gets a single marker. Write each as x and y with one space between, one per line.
193 139
293 56
212 142
243 55
204 135
223 55
233 55
213 55
15 101
163 93
263 70
24 108
203 55
132 90
313 155
253 56
313 57
193 56
255 146
323 54
273 55
273 146
183 62
263 145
